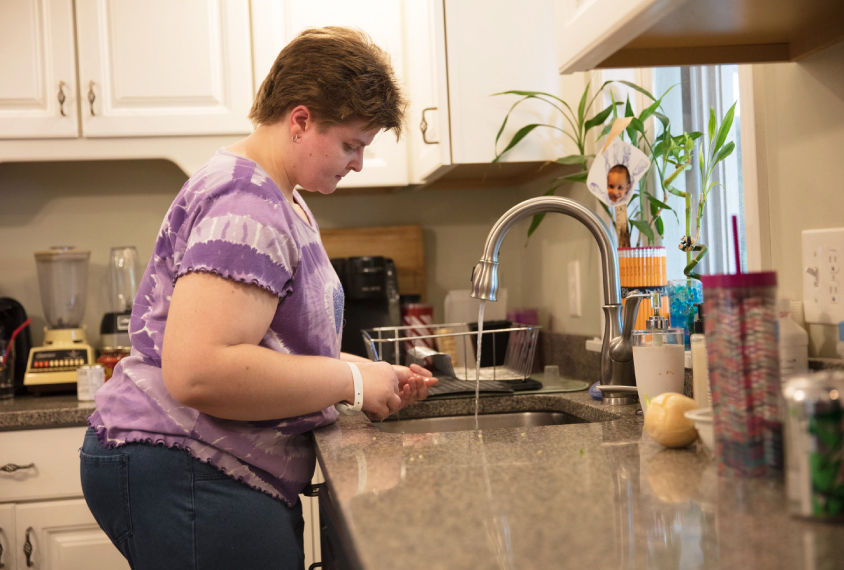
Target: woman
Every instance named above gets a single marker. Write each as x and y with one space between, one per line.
237 323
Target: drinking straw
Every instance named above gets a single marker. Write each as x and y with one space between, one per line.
22 326
736 244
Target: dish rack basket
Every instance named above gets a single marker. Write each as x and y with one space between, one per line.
517 345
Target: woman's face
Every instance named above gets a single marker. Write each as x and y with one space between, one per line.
617 186
325 156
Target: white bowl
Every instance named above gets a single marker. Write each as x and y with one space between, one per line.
703 424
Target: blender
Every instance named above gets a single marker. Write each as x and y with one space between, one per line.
114 329
62 280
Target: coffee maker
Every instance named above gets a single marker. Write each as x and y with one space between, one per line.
371 289
63 282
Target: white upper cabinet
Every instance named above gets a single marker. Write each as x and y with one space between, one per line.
426 85
460 54
276 22
38 69
154 68
493 47
164 68
646 33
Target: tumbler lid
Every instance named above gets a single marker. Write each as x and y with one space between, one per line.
740 280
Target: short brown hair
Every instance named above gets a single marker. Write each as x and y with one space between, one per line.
339 74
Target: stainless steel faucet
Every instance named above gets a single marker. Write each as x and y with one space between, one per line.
616 351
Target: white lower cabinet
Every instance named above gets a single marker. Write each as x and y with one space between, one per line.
62 535
7 536
42 511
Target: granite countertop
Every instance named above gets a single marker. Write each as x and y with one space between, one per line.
594 495
31 412
590 495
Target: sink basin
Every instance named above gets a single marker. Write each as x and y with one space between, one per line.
485 421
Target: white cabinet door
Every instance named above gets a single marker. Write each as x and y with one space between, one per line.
37 61
275 23
164 68
589 31
427 134
63 536
7 537
491 48
48 461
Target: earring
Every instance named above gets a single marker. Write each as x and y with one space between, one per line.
295 138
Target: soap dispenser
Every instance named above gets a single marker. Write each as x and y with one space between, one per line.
658 357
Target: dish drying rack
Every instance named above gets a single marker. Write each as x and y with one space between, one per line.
422 344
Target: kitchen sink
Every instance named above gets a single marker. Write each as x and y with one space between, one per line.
485 421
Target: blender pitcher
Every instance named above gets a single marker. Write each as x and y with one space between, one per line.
124 276
63 281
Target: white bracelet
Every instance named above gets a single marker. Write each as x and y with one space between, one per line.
344 408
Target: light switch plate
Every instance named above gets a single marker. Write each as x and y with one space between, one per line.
574 288
823 281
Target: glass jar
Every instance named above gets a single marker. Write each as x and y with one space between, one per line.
110 356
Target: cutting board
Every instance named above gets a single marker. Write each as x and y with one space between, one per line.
403 244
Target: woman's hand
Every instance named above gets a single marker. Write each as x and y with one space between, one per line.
413 383
380 389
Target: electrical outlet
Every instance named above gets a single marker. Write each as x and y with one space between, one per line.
574 288
822 281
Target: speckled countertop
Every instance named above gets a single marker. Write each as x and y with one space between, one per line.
31 412
591 496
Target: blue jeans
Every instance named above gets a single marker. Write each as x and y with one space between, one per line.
164 509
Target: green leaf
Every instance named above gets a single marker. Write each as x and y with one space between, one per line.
711 124
628 109
574 159
652 109
634 127
658 203
726 125
581 109
662 119
660 228
606 131
520 134
607 210
507 116
639 89
726 151
700 159
694 135
537 219
644 228
597 119
576 177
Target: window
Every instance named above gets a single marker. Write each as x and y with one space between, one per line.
696 89
700 88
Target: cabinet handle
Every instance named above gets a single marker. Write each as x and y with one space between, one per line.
1 551
27 549
61 107
312 490
91 97
11 467
424 126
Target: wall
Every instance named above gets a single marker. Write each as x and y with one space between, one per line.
97 205
801 107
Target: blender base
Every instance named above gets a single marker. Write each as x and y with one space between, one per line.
52 367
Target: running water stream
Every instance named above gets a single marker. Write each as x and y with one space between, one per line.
478 360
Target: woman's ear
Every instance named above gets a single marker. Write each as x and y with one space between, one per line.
300 120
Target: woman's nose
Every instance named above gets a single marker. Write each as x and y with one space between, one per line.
357 162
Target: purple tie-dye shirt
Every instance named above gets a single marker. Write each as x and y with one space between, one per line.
229 219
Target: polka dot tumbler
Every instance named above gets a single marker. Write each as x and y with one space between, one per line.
742 353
